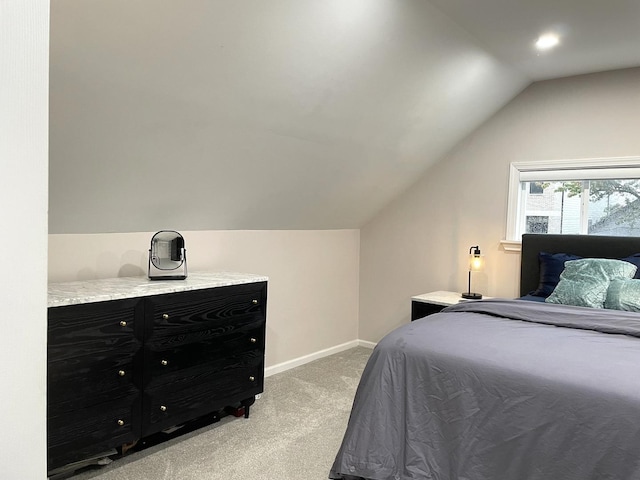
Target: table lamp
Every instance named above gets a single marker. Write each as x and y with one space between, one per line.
476 264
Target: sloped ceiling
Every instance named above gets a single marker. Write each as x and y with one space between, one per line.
291 114
594 35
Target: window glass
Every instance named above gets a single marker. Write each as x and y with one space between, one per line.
612 207
559 204
590 196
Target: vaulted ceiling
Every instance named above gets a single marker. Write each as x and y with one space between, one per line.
290 114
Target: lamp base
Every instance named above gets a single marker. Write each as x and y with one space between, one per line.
471 296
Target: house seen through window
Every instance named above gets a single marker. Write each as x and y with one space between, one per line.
592 197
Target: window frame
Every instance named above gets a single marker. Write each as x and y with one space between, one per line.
572 169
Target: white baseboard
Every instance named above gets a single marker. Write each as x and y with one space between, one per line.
296 362
364 343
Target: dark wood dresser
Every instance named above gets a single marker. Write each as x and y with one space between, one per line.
128 358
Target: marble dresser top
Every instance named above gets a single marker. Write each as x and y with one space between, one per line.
89 291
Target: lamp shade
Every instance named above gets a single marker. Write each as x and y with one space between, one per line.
476 260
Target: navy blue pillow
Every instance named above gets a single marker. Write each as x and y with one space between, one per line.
635 259
551 266
531 298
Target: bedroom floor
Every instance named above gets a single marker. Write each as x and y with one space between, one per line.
293 432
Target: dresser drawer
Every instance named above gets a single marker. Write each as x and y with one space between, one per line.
90 431
185 368
80 382
164 360
204 389
214 337
92 328
214 309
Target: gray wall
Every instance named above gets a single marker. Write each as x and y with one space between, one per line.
420 242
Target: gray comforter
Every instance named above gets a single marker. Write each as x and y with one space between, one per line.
500 390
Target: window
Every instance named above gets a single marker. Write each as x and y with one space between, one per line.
537 224
594 197
536 188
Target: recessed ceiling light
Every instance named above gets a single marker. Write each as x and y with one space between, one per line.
547 41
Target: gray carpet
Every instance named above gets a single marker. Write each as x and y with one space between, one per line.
293 432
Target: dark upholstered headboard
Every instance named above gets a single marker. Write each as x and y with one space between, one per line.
591 246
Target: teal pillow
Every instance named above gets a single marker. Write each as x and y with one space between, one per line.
623 294
584 282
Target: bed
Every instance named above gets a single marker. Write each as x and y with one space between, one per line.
507 389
